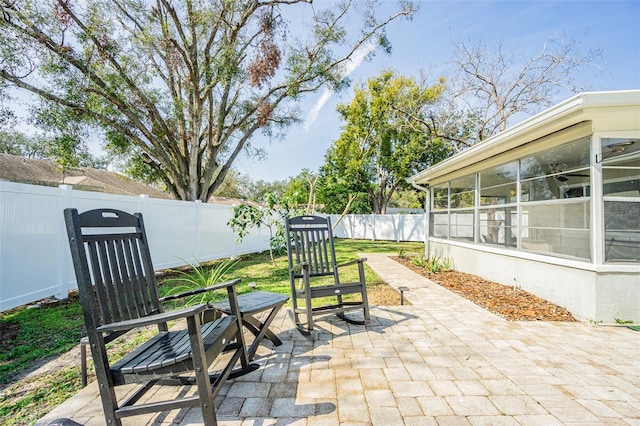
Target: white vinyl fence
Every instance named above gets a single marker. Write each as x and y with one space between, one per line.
35 262
34 252
389 227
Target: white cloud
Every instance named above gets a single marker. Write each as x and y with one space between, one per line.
315 110
349 68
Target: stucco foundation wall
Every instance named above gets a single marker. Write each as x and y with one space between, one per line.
618 297
586 294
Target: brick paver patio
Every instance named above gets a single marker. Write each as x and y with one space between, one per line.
442 360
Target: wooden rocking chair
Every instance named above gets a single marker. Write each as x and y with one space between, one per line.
118 293
312 260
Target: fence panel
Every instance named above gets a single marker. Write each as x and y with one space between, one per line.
34 252
29 244
391 227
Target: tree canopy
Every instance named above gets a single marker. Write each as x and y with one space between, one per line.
377 149
43 147
180 88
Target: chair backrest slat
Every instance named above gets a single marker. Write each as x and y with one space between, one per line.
131 282
94 253
119 306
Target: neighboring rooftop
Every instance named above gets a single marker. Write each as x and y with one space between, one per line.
215 199
42 172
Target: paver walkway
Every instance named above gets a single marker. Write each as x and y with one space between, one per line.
442 360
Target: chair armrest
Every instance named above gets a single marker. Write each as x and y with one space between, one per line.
201 290
154 319
351 262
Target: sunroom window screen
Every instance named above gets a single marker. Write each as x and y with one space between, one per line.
539 203
621 188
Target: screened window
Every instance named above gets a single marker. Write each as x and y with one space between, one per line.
497 214
462 225
440 195
562 159
463 192
540 203
561 172
621 231
440 224
499 226
621 187
555 200
561 228
462 199
498 185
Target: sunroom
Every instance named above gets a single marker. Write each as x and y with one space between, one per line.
550 206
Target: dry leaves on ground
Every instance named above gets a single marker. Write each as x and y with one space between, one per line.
512 304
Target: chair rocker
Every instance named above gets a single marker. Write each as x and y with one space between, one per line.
312 261
118 293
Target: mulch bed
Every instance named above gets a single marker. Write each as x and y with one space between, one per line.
505 301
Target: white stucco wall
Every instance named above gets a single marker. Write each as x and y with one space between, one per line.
587 294
618 296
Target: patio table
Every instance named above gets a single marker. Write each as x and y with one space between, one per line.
250 305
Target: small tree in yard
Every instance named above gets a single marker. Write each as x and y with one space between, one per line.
245 217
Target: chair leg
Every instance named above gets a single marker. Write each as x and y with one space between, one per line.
83 360
309 307
106 388
201 373
109 407
365 300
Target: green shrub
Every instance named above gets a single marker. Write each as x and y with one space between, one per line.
199 276
433 264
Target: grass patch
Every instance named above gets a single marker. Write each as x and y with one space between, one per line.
30 336
259 268
36 397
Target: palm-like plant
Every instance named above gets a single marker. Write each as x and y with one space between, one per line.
193 281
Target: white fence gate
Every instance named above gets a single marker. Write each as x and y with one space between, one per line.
34 251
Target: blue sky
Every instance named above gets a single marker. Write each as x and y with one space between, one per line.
426 44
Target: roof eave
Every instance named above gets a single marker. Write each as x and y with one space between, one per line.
567 113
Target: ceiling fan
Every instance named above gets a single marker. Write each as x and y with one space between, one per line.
563 177
614 148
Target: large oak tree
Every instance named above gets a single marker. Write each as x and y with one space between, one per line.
180 87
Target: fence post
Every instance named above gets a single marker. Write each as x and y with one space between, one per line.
144 198
373 227
196 238
66 192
